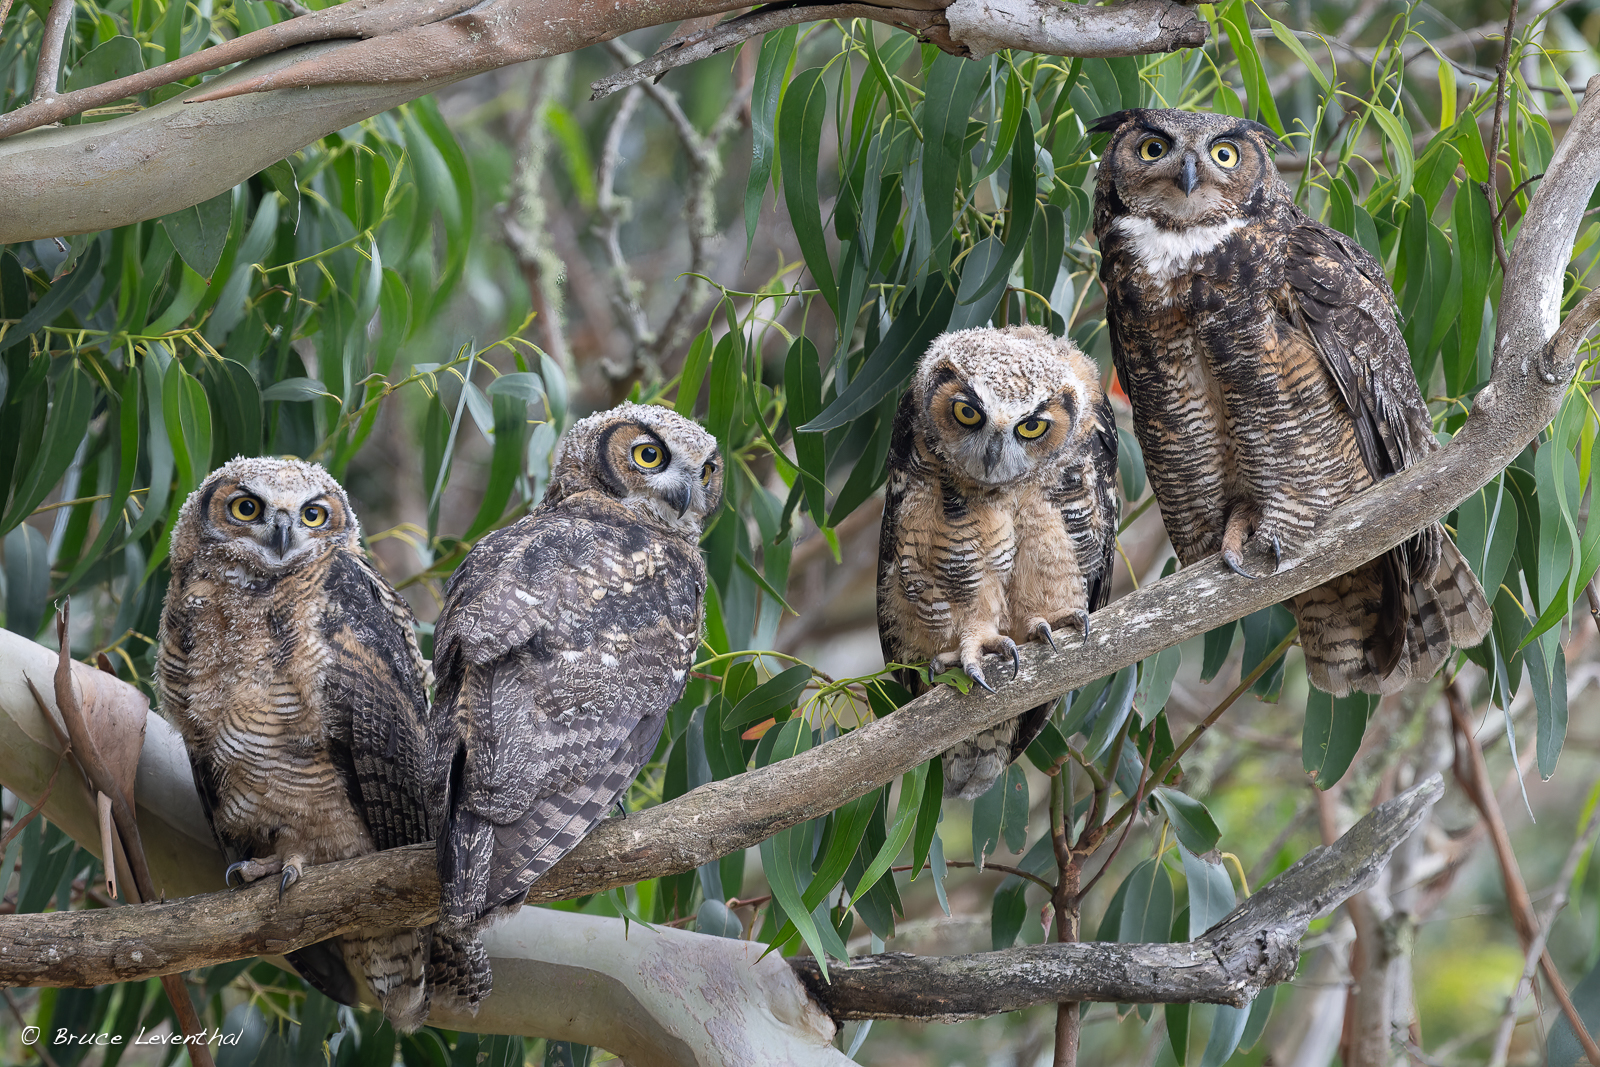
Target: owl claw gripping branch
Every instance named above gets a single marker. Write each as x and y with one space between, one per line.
999 519
291 667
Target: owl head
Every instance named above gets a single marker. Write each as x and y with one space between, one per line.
263 517
1000 406
651 459
1185 168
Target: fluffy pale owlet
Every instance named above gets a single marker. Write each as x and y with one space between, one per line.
564 639
1270 382
999 518
291 668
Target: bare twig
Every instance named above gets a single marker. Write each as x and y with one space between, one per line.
735 31
16 1013
703 155
1490 188
293 7
614 209
1558 900
1474 778
48 73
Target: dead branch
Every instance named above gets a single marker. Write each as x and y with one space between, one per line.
1257 945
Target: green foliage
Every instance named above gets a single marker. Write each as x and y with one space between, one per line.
294 313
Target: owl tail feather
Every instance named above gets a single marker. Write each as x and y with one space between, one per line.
1349 626
394 965
458 972
972 767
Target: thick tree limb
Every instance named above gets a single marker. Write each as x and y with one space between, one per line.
323 71
1257 945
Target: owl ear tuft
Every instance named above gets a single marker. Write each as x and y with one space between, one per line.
1109 123
1274 142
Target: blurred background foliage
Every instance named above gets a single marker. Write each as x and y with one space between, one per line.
423 300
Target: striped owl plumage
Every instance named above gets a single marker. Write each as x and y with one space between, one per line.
999 519
1270 382
291 668
564 640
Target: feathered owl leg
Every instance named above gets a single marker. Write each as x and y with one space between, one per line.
975 644
1243 521
1039 628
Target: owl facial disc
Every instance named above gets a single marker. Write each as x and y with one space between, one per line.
653 460
268 516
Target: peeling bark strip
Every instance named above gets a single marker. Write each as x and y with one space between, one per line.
1257 945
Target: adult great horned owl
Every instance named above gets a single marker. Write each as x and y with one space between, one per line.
1269 382
291 668
999 519
564 639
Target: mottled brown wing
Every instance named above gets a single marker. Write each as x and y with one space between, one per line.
564 640
376 710
1090 506
1339 292
903 472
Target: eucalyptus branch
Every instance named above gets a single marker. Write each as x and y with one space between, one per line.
56 24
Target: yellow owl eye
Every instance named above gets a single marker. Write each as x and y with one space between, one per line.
1033 428
245 509
648 457
314 515
1226 153
1152 149
965 413
706 472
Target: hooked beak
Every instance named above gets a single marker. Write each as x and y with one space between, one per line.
280 536
991 453
1189 179
679 495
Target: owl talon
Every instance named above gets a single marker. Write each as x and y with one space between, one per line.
251 870
1235 562
1081 618
976 674
1040 631
291 875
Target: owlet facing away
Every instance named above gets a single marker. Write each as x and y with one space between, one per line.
999 519
564 639
1270 382
291 668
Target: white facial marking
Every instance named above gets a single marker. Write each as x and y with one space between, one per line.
1165 254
